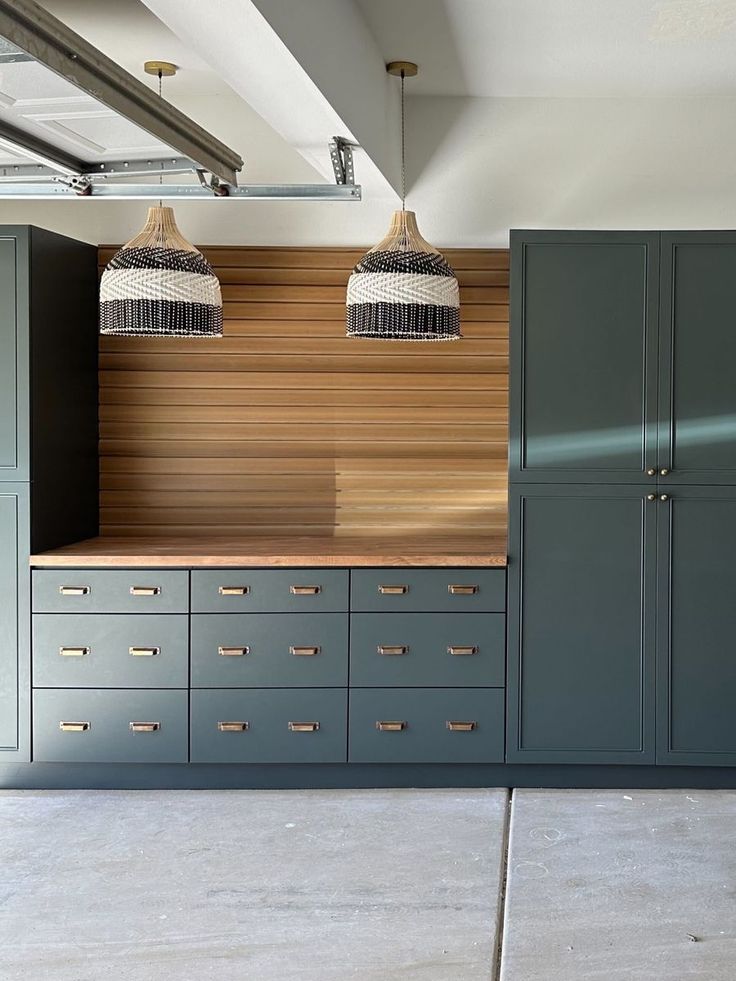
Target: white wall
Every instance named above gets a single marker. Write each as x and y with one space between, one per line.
476 168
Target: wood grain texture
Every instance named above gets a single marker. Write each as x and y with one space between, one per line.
296 550
285 427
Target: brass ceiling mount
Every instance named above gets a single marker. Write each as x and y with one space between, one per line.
166 68
408 68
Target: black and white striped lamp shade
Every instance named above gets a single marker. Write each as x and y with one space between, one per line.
403 295
164 292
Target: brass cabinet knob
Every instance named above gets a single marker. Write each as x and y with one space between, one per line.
233 590
664 497
651 497
460 726
304 726
651 472
305 651
462 651
75 590
145 590
392 649
144 726
305 590
390 726
664 471
233 726
393 590
74 726
75 651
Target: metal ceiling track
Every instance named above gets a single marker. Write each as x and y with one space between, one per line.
57 174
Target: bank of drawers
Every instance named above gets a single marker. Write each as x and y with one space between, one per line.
268 666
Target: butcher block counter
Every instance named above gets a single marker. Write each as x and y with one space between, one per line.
170 552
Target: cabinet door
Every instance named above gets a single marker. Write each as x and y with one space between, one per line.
14 623
697 391
697 625
583 356
582 606
13 355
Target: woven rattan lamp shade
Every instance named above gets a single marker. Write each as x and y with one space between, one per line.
160 284
403 289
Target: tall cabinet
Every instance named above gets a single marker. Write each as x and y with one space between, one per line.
48 435
622 599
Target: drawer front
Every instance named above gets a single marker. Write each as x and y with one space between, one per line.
110 591
426 649
270 591
262 726
433 590
414 725
263 650
110 651
120 726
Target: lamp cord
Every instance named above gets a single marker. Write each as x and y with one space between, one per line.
161 174
403 148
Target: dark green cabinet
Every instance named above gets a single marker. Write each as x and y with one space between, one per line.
14 622
9 358
48 435
581 624
623 497
697 400
697 625
583 355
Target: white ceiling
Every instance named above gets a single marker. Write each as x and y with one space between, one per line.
561 48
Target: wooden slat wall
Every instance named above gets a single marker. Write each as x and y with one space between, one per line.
285 426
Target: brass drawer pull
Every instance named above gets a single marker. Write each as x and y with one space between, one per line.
74 651
145 590
305 590
305 651
233 651
462 651
144 651
461 726
145 726
75 590
458 589
391 650
391 726
233 590
233 726
393 590
304 726
74 726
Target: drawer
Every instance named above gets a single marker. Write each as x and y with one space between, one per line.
110 591
426 649
433 590
120 726
263 650
92 650
418 725
270 591
286 726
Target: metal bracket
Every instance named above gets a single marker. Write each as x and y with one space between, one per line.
341 155
77 183
213 183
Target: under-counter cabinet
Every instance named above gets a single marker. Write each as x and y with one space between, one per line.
266 666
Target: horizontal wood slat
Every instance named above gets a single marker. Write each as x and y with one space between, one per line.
286 427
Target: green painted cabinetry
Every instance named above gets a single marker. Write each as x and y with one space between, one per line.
622 498
48 435
581 624
697 625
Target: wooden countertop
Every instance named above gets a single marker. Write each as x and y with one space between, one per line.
258 552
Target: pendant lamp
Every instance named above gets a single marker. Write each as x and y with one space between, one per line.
159 283
403 289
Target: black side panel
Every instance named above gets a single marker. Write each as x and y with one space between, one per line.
64 428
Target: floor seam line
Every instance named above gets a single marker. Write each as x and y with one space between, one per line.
503 881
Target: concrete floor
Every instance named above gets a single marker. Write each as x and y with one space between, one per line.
389 885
